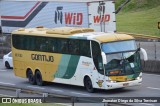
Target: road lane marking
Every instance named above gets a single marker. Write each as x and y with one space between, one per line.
151 74
3 70
153 88
6 95
35 87
80 93
147 104
57 90
6 83
63 104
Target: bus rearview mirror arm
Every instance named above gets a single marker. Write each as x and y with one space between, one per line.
104 58
143 51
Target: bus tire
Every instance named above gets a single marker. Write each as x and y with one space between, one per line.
7 65
31 77
38 77
88 84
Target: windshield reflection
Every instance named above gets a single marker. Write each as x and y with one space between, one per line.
120 46
126 63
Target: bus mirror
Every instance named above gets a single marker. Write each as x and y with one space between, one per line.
104 58
143 51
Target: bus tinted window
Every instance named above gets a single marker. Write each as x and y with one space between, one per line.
62 45
73 46
18 41
29 43
52 45
85 48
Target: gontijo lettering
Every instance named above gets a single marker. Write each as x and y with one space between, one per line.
40 57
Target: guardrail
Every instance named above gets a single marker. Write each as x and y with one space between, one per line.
143 37
48 97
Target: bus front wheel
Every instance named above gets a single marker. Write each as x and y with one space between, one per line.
39 80
31 77
88 84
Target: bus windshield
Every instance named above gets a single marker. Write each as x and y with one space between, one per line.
121 46
123 58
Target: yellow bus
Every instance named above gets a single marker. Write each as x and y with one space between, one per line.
77 56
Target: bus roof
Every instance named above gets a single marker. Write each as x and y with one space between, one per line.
73 32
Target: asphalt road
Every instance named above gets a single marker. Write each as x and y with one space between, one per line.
150 87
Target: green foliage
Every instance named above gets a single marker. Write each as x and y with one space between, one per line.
139 16
138 5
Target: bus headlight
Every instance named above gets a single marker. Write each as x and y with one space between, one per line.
138 78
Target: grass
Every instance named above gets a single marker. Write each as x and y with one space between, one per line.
142 18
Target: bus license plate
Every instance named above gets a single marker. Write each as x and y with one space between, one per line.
125 84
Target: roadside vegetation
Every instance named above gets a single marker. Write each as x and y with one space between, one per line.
139 16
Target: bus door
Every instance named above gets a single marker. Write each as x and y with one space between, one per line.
97 59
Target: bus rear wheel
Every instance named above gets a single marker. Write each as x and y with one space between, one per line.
31 77
88 85
39 80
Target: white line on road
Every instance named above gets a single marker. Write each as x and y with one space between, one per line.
35 87
80 93
147 104
6 95
151 74
3 70
153 88
57 90
63 104
6 83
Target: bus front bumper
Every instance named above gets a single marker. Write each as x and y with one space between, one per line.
114 85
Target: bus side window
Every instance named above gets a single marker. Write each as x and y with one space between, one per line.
29 43
51 45
40 44
97 58
73 47
85 48
62 45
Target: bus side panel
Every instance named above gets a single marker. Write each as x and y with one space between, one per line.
66 69
19 68
84 68
24 60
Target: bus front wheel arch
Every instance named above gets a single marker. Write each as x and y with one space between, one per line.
88 84
38 78
30 76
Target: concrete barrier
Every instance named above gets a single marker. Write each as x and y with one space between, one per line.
151 66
